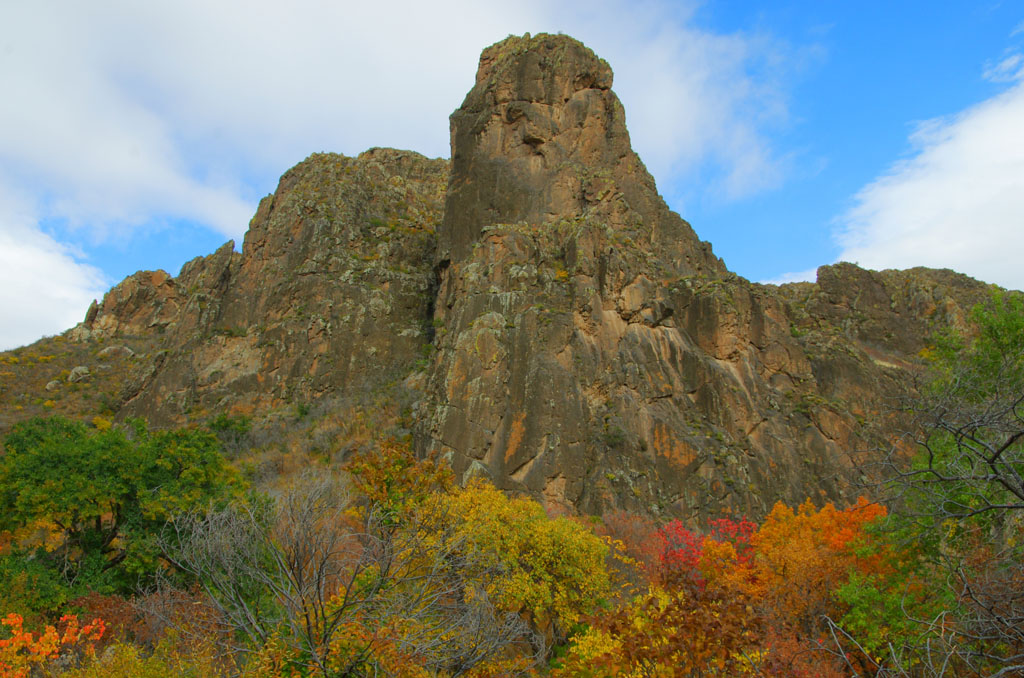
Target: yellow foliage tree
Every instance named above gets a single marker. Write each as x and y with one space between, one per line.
680 629
552 570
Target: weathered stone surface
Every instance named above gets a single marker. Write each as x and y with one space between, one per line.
145 302
595 353
541 140
115 351
332 290
79 373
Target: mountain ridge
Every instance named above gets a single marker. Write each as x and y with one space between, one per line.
551 323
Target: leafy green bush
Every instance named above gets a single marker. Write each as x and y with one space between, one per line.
88 504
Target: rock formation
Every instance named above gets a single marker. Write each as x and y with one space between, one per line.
332 290
564 332
594 352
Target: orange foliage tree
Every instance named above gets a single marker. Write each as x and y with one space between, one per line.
739 599
24 650
638 546
804 556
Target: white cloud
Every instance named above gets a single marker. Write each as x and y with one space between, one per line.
118 115
698 104
125 108
810 275
957 203
1007 69
45 289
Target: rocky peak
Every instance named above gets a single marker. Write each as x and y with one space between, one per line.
547 69
541 140
144 302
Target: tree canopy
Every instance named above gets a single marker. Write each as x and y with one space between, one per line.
91 502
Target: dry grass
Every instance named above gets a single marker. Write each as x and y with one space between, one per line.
26 371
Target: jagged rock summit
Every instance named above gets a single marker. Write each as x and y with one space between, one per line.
550 323
332 291
541 140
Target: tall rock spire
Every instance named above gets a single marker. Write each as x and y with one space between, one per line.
540 139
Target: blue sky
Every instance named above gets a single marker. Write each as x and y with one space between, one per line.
138 135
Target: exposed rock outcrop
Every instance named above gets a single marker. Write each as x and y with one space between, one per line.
568 334
333 290
541 142
595 353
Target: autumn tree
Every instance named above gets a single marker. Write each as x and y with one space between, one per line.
389 481
317 579
724 553
636 547
550 571
788 570
803 556
24 653
679 627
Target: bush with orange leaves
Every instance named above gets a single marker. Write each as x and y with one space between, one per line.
741 599
804 556
800 560
24 650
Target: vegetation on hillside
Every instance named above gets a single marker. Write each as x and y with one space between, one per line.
41 380
129 552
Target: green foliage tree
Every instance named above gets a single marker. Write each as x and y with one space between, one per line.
100 498
960 501
972 418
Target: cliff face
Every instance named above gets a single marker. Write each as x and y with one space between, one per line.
595 353
566 334
332 291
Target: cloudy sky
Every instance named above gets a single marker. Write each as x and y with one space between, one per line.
137 135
